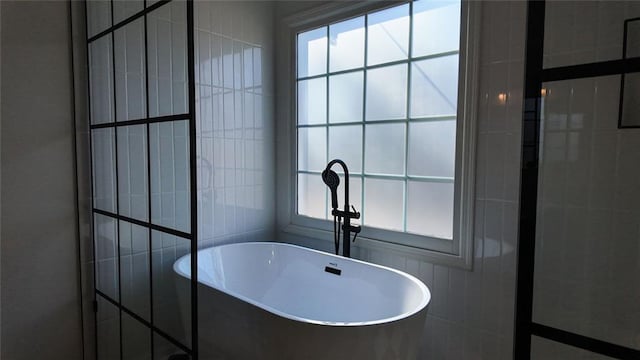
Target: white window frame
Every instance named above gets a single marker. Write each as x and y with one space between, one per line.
457 252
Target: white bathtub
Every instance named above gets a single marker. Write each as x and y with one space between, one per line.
279 301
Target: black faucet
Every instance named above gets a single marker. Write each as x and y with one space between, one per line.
333 180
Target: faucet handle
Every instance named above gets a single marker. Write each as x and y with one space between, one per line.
356 215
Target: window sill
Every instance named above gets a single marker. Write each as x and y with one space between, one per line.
412 252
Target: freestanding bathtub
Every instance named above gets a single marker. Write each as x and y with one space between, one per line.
267 300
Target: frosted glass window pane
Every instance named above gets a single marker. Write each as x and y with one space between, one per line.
387 93
134 268
312 52
388 37
432 148
430 209
104 169
312 197
384 203
123 9
347 44
436 27
101 80
108 330
312 101
132 171
355 195
98 16
434 87
106 249
131 100
171 294
167 59
170 187
136 339
312 149
345 97
384 149
345 143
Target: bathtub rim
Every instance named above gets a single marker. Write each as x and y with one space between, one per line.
424 302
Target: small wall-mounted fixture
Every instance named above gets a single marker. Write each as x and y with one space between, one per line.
629 108
502 98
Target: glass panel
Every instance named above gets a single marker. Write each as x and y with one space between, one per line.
345 143
631 100
131 100
312 149
163 349
132 172
384 149
134 268
106 243
98 16
123 9
384 203
436 27
633 39
104 169
580 32
587 250
171 292
312 52
167 59
432 148
388 35
101 80
312 198
543 349
434 87
136 339
430 209
345 97
387 93
108 328
347 44
170 187
312 101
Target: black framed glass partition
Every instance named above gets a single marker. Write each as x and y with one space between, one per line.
578 258
142 124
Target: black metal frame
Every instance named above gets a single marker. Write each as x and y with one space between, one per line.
535 75
192 235
624 58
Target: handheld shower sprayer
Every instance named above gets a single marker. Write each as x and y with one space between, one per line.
332 180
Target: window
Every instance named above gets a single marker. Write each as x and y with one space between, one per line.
387 92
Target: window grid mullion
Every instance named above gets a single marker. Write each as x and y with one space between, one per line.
326 120
381 65
406 129
364 116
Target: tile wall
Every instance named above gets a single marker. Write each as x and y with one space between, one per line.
234 101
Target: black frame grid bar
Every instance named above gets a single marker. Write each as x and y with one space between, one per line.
622 78
535 76
147 121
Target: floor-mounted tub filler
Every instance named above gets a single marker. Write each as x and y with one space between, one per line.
265 300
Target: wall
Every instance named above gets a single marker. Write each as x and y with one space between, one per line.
40 297
471 313
235 112
588 231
